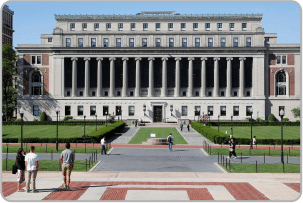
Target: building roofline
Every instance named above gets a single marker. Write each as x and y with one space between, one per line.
5 7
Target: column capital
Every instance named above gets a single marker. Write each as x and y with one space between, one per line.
191 59
216 59
178 58
112 59
99 59
164 59
87 59
74 59
138 59
151 59
203 59
229 58
125 59
242 59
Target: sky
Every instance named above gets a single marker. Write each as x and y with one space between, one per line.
31 19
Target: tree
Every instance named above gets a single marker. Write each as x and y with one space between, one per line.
8 69
296 112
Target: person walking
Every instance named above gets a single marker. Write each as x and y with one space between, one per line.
136 123
170 139
20 162
103 146
232 147
67 159
32 167
181 126
188 127
254 140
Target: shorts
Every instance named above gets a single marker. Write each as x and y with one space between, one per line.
67 168
21 175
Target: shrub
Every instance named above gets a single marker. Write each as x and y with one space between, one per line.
17 120
210 133
43 116
271 118
35 119
285 119
66 118
259 120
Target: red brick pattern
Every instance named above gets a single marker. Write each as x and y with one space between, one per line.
290 59
27 59
291 73
45 59
271 59
9 188
114 194
76 190
294 186
44 71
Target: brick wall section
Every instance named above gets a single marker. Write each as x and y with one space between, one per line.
26 81
291 73
26 72
271 59
291 59
45 59
27 59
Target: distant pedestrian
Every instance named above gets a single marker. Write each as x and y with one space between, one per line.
103 146
32 167
170 140
231 136
254 140
20 161
181 126
67 159
232 148
136 123
188 127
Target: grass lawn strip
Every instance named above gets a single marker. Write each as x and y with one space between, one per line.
144 133
256 152
261 168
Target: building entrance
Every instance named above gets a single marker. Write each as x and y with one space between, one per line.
157 114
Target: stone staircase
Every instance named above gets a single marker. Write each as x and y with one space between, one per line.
155 141
159 125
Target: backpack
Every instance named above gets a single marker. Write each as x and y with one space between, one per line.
170 139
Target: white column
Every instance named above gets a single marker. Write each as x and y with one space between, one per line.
112 77
216 77
151 77
203 77
164 77
241 76
138 77
125 78
177 78
74 77
190 77
228 77
99 77
87 77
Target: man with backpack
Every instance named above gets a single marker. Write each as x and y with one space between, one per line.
170 142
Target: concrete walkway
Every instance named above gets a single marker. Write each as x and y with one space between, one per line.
192 137
125 135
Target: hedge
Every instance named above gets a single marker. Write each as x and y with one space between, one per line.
254 123
107 132
210 133
90 122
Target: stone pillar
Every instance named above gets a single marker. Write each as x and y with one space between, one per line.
74 77
151 78
112 77
125 78
190 77
216 77
99 77
241 76
203 77
228 77
177 78
138 77
87 77
164 77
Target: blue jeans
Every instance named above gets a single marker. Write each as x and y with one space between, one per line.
170 145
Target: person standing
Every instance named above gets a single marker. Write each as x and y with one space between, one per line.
136 123
67 159
103 146
188 127
170 139
254 140
181 126
20 161
232 147
32 167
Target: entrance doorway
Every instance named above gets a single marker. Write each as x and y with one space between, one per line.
157 114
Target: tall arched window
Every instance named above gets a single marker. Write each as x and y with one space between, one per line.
281 83
36 83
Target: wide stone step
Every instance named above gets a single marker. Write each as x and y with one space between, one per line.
155 141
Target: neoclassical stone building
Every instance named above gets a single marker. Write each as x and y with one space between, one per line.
159 67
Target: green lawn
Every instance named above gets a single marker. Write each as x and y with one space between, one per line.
31 131
262 132
144 133
50 165
261 168
256 152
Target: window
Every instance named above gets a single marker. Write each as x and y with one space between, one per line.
184 42
223 42
131 42
248 93
158 26
197 42
68 42
36 110
105 110
93 93
50 39
132 26
210 110
108 26
80 110
248 42
207 25
281 83
236 42
72 26
92 110
283 59
144 42
36 76
231 25
170 26
120 26
248 113
145 26
223 110
93 42
105 42
183 25
197 110
118 42
244 25
210 42
158 42
195 25
236 110
84 26
80 42
36 59
184 110
219 25
171 42
118 110
131 110
278 59
36 83
33 59
67 110
96 26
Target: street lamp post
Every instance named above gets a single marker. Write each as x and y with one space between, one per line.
251 113
209 119
218 122
57 141
121 113
203 117
171 110
231 124
84 126
281 115
106 118
21 114
96 122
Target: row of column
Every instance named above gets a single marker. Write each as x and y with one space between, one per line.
151 77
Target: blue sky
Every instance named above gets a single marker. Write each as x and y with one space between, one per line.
31 19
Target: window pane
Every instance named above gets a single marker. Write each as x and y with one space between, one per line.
108 25
231 25
183 25
80 110
67 110
105 42
133 25
144 42
284 59
278 59
184 110
93 42
67 42
171 42
131 42
118 42
105 110
207 25
184 42
33 59
243 25
93 110
131 110
96 25
80 42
